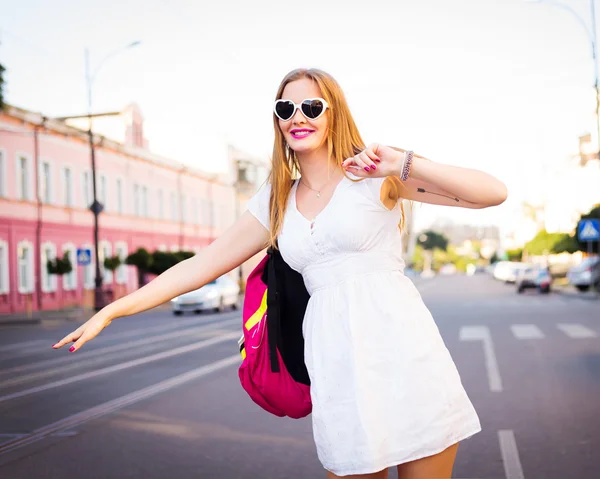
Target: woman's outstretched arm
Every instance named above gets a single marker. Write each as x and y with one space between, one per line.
241 241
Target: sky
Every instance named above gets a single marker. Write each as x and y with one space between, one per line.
505 86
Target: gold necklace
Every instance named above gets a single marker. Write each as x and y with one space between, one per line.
318 191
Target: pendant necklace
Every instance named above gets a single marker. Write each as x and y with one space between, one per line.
318 191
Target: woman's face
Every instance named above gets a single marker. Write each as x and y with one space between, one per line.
292 130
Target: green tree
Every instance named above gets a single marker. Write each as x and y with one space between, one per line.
60 266
142 260
515 254
112 263
431 240
546 243
2 70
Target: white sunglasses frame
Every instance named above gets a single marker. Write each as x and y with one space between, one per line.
298 106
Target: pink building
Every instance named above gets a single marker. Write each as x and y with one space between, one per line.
45 192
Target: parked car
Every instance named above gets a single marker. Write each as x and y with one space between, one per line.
214 296
507 270
585 274
533 277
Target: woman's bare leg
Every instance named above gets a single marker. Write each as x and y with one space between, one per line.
438 466
376 475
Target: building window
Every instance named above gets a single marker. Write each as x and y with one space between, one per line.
48 253
161 206
162 247
45 182
105 252
86 188
68 185
195 216
4 284
70 279
89 271
25 266
3 191
23 178
145 209
183 209
174 214
121 272
120 196
103 192
136 199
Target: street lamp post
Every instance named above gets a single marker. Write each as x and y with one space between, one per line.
592 37
96 207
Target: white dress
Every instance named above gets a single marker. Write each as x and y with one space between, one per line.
384 387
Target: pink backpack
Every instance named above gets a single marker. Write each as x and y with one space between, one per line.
263 373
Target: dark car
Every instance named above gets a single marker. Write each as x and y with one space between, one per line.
534 277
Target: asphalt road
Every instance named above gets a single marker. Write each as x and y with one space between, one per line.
157 396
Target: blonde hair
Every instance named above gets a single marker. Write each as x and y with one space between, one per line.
343 141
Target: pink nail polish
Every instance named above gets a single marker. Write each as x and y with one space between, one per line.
72 348
366 168
373 167
377 160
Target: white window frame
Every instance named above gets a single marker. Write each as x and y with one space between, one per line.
121 249
89 269
68 190
174 248
119 185
137 204
29 286
182 209
145 201
3 173
70 280
86 189
49 199
195 214
161 204
173 205
103 191
105 251
48 281
162 247
4 268
20 195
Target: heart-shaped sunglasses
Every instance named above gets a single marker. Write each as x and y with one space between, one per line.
311 108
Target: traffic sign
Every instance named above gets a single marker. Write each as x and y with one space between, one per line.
589 230
84 256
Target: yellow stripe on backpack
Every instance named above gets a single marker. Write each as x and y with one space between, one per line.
258 314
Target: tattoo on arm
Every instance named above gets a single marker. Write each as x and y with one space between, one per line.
422 190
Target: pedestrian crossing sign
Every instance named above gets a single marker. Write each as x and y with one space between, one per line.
589 230
84 256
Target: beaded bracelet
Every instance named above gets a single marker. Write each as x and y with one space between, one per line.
408 156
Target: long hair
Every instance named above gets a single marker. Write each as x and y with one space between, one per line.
343 141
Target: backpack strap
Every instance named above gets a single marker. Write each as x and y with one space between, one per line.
272 310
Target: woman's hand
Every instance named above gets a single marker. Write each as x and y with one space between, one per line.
376 161
86 332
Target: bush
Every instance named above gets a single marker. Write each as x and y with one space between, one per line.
60 266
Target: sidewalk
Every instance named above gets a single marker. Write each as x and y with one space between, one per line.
36 317
568 290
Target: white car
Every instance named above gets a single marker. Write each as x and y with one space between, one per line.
215 296
507 271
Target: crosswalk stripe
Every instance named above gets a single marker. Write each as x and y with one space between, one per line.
577 331
526 331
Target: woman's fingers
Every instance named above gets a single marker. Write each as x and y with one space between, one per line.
69 338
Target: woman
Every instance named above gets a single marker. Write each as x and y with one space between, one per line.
384 388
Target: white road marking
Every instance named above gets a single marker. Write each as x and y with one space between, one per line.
25 344
119 336
154 342
510 455
70 422
577 331
526 331
102 352
482 333
122 366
